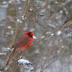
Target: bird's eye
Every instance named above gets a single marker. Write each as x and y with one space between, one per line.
30 34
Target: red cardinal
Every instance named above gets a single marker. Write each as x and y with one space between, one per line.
23 42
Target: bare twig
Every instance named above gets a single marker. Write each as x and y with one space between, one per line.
56 60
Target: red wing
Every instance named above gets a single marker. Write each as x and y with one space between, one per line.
22 42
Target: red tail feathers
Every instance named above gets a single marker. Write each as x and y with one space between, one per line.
11 55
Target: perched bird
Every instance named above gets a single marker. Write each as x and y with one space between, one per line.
23 42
